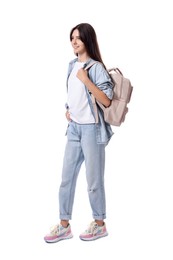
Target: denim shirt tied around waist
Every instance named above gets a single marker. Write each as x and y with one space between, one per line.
100 77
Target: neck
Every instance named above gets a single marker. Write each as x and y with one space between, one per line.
83 58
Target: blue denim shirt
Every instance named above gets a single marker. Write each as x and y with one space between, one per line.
100 77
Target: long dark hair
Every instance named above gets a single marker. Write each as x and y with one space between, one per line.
89 38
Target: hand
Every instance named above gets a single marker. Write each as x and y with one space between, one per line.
67 114
82 75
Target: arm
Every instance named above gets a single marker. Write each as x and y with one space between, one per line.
98 94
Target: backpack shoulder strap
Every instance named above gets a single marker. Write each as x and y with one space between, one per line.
95 108
90 65
92 97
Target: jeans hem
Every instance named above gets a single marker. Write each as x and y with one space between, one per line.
99 217
65 217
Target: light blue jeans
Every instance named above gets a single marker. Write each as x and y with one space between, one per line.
82 146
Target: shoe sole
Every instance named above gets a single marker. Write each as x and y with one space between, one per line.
94 238
59 239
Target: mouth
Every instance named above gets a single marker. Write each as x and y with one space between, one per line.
76 47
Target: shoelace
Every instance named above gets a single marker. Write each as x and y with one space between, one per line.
55 229
92 228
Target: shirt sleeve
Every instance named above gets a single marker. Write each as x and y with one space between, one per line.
101 78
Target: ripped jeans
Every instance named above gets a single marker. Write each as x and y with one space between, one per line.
82 146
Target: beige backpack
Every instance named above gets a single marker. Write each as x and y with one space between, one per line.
115 114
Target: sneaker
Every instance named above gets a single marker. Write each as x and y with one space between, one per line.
58 233
94 232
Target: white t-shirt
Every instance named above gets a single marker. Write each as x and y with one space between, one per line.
77 100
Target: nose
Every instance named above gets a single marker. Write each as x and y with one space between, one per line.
74 41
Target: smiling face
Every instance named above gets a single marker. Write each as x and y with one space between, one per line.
77 44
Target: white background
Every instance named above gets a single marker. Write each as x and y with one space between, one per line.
34 54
